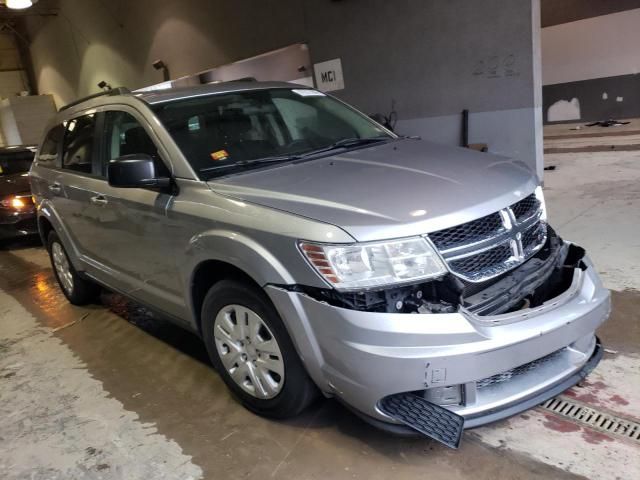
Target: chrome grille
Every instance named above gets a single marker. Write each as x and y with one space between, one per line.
487 247
534 236
483 264
514 372
526 207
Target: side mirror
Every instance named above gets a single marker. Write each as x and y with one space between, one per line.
135 171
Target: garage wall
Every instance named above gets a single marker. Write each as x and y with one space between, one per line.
591 68
12 76
13 79
117 41
432 59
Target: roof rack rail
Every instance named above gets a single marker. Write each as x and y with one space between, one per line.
241 79
108 93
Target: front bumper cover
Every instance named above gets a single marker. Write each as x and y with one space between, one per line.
504 411
363 357
17 224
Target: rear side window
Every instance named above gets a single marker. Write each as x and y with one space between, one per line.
78 144
48 155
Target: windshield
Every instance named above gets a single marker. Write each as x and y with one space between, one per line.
237 130
15 162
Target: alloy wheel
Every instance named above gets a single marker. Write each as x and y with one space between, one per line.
62 266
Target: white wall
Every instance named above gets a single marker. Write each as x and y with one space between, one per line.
597 47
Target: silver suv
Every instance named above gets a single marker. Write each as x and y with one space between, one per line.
314 251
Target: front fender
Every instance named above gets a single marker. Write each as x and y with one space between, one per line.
238 250
258 261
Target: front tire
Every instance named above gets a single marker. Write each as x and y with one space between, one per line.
79 291
249 346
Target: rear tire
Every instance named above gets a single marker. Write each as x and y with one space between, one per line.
78 290
249 346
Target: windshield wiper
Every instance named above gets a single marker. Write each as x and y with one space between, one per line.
249 163
346 143
343 143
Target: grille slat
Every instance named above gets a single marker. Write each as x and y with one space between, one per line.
526 207
482 264
514 372
470 232
489 246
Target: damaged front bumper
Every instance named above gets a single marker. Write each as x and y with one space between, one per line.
482 367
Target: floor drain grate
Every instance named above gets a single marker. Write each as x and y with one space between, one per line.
594 419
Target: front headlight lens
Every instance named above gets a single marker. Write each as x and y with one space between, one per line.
370 265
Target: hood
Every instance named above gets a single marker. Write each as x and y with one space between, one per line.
15 183
401 188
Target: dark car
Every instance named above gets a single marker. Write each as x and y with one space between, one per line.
17 211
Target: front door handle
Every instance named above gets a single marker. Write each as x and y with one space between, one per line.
55 188
99 200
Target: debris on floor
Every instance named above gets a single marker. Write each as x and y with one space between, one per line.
550 167
607 123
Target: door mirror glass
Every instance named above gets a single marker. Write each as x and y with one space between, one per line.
135 171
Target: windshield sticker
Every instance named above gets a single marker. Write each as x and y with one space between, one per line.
220 155
307 92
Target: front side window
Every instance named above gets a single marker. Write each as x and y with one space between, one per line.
78 144
126 136
236 129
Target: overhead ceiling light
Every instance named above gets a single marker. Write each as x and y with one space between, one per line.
19 4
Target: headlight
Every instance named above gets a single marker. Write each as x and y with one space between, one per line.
543 205
370 265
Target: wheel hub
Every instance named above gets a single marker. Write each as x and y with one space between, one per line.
249 351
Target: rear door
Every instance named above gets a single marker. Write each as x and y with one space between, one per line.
70 187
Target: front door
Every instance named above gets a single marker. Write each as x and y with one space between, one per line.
132 224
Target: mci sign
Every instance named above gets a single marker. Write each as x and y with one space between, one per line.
329 75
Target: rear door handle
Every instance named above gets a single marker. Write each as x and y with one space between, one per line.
55 188
99 200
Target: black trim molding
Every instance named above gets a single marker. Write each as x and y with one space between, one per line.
622 99
556 12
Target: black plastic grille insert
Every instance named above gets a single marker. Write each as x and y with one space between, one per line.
427 418
472 231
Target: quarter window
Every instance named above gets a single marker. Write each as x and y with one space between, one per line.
78 144
48 155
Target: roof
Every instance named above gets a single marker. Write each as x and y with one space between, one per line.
121 94
160 96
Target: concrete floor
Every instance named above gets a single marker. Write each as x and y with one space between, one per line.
109 392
